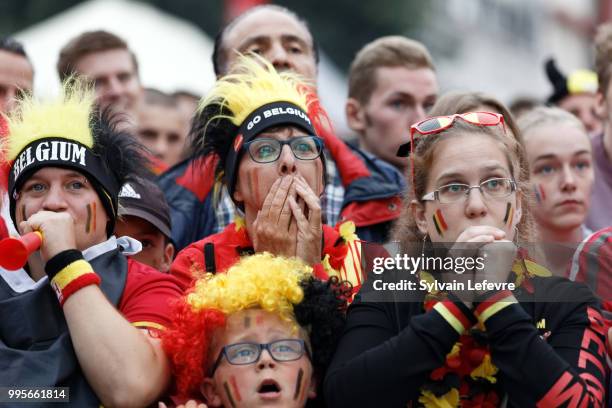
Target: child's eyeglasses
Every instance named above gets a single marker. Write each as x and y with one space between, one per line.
249 353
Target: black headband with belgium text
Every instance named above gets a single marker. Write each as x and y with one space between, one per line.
265 117
64 153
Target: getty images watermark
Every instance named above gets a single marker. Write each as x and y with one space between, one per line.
446 266
534 272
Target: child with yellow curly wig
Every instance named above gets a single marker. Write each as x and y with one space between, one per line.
262 333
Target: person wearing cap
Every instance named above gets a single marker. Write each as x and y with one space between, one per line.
576 94
90 322
260 124
144 216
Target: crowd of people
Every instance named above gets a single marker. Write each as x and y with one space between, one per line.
216 250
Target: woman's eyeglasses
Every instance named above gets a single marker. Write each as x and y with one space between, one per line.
249 353
493 188
267 150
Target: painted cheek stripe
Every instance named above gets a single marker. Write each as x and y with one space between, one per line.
229 394
88 224
542 193
94 216
298 384
538 197
439 222
509 214
539 193
235 388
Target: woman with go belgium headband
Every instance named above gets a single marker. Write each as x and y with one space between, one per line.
260 124
540 345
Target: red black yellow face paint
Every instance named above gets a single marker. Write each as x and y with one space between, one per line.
23 213
439 222
259 320
540 194
94 216
254 186
319 186
298 384
88 222
228 392
90 225
235 388
509 214
247 322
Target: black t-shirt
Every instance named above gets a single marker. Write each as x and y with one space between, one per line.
552 353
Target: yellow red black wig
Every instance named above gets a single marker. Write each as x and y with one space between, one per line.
253 98
275 284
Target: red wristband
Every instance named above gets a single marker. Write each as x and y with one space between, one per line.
73 277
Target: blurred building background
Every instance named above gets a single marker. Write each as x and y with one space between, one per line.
496 46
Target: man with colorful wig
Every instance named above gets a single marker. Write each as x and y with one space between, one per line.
261 334
260 123
90 320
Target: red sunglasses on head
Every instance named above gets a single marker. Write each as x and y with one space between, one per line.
438 124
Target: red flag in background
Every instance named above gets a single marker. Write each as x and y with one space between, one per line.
233 8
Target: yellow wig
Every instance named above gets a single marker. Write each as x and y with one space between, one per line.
278 285
262 281
67 116
254 83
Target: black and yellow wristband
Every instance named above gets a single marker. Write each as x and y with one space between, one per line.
68 272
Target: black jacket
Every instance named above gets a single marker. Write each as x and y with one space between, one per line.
388 350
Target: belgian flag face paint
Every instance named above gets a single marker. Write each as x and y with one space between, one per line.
439 222
298 384
90 225
509 214
540 194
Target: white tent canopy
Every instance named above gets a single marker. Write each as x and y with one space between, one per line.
173 54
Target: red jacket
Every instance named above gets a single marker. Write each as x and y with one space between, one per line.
341 255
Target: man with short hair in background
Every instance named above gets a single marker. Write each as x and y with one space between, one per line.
106 60
16 73
162 127
392 85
